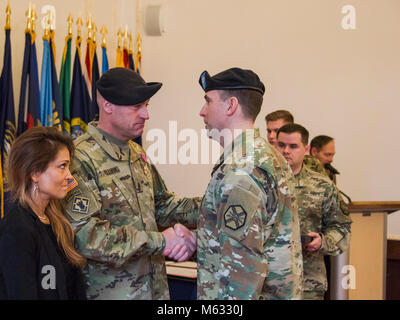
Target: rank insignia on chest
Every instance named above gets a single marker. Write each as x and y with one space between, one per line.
235 217
80 205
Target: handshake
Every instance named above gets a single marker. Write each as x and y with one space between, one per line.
180 243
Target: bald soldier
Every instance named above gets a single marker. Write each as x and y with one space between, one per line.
119 198
248 231
324 226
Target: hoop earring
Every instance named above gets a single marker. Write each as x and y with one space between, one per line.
35 189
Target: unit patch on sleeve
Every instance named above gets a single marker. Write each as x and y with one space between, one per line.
80 205
235 217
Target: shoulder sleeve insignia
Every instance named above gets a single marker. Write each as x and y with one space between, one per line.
72 184
235 217
80 205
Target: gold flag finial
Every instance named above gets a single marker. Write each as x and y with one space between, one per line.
33 19
79 24
130 42
138 51
28 15
70 21
47 26
90 27
8 13
51 19
94 27
119 37
103 32
139 44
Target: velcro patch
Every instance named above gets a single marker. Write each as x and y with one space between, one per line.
80 205
72 184
235 217
109 172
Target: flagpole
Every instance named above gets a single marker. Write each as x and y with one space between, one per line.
78 35
138 39
7 27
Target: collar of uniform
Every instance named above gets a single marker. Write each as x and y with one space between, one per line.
238 146
114 150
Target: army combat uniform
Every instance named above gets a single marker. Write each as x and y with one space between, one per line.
248 231
320 212
314 164
115 208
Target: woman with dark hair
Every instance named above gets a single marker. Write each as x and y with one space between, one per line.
37 255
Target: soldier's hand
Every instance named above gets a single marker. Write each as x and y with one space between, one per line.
176 248
190 236
315 244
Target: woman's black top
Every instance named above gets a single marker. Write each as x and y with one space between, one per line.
32 265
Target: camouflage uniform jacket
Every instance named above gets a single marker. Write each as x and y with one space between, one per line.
115 209
320 212
248 231
315 165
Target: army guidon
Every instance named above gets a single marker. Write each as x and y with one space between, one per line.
120 198
248 231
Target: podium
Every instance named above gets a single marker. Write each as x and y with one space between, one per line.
365 276
182 280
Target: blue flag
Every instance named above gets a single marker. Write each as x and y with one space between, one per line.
80 100
7 118
57 108
94 110
29 98
131 63
46 98
105 66
50 113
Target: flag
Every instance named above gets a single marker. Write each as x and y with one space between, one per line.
7 116
137 68
65 83
120 58
50 99
90 49
131 63
126 57
104 66
94 110
138 64
80 100
57 107
29 98
46 99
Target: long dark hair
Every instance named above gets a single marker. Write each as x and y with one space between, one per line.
31 153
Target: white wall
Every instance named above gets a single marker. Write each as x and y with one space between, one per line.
343 83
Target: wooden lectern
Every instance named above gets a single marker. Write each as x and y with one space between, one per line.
368 245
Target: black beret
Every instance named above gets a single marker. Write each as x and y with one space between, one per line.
231 79
125 87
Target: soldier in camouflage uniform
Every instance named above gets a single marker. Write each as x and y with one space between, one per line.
248 231
321 217
274 121
323 148
119 198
